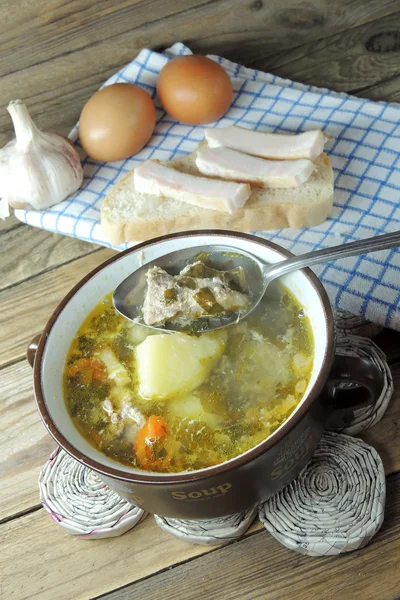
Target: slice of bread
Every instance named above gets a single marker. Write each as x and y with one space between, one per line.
129 216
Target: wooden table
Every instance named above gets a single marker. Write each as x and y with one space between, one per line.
54 55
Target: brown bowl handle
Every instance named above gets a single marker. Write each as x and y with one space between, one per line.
353 383
31 350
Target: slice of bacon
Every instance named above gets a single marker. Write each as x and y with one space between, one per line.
309 144
231 164
151 177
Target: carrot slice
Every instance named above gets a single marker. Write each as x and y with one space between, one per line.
155 427
147 444
88 369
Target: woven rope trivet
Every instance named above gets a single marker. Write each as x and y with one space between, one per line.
346 323
77 500
210 532
352 345
335 505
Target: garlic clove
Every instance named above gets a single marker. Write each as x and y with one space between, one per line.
38 169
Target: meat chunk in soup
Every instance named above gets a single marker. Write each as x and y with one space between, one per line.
197 291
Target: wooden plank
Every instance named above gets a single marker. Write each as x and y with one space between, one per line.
9 223
66 29
60 28
389 91
259 568
28 251
92 569
32 302
70 65
24 441
356 58
67 567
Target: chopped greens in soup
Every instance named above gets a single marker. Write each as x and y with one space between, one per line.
179 402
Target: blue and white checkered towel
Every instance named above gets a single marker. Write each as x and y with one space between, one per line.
365 154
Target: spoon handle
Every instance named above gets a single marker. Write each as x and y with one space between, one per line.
381 242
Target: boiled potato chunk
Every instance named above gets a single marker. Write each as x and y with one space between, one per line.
136 334
190 407
186 407
169 365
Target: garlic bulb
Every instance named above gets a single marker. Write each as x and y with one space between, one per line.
37 168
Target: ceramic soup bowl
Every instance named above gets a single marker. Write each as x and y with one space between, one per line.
241 482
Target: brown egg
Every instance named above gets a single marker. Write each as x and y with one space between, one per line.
116 122
194 89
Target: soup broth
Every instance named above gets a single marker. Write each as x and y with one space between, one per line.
179 402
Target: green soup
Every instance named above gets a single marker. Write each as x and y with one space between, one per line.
178 402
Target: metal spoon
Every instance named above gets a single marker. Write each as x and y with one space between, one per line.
129 295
